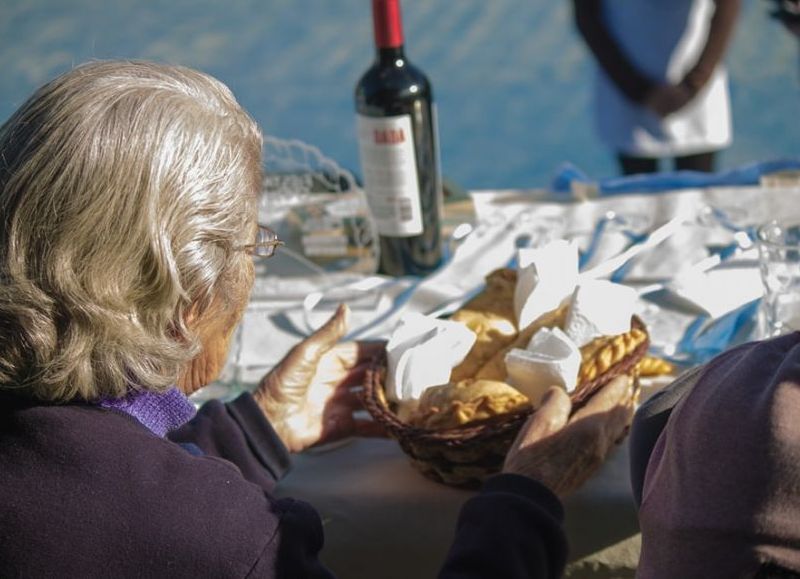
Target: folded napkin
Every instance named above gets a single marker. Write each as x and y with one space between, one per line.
721 290
546 276
422 352
551 359
599 308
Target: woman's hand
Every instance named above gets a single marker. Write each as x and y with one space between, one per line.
667 99
563 452
309 397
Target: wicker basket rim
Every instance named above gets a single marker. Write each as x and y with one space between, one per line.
490 427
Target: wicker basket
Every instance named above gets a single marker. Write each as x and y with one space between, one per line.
466 455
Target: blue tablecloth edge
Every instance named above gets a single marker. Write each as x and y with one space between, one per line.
568 175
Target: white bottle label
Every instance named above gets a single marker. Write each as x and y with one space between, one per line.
389 164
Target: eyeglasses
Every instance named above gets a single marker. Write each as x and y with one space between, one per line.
265 243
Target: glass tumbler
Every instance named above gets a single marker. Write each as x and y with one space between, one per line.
779 262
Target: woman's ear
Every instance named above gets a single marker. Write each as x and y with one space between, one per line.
214 326
198 316
188 324
191 315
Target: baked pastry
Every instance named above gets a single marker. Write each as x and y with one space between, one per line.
478 388
599 355
456 404
495 368
654 366
491 316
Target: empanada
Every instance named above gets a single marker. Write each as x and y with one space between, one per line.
456 404
491 316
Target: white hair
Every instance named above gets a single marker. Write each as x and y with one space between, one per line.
125 190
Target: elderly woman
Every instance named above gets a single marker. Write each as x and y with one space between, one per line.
127 237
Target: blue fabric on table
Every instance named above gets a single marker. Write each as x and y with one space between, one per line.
585 256
749 174
566 174
619 274
704 339
594 242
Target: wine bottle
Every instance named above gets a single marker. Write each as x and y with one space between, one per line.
398 145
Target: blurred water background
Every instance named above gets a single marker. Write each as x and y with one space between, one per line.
511 77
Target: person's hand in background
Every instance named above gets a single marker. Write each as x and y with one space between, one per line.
311 397
788 13
563 452
666 99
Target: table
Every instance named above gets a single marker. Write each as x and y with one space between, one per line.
381 517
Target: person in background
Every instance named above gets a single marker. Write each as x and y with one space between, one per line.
661 90
787 12
128 195
715 468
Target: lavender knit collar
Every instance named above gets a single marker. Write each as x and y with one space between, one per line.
159 412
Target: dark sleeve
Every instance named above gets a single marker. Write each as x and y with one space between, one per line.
512 528
238 432
296 552
649 421
590 21
719 35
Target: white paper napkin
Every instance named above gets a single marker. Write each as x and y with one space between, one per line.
721 290
551 359
599 308
546 276
422 352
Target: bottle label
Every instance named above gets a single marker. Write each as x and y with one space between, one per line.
389 164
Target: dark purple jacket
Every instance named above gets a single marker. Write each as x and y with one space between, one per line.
716 467
88 492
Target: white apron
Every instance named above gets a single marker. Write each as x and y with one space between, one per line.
663 39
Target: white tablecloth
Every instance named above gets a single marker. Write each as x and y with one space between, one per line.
382 518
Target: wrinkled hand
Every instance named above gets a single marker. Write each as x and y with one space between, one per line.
562 452
667 99
309 397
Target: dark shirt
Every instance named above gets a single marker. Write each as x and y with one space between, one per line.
89 492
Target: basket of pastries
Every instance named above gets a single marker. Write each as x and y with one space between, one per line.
458 429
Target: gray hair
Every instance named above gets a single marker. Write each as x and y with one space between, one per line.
126 189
